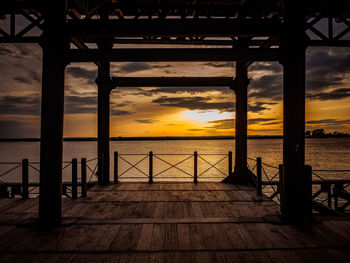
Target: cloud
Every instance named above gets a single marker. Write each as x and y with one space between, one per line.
258 106
261 120
196 130
272 67
336 94
194 103
137 66
23 105
325 69
146 121
82 73
220 64
120 112
15 128
267 87
20 51
134 67
5 50
329 121
35 76
328 124
224 124
191 90
80 104
22 80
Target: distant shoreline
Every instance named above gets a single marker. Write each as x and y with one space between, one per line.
167 138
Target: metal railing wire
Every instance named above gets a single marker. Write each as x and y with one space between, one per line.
29 188
164 166
327 194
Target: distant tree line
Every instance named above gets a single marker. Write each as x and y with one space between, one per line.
320 133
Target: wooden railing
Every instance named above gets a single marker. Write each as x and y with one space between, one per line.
148 172
88 171
329 196
27 188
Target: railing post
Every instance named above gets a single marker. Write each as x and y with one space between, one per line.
259 177
338 188
116 167
329 195
229 163
83 177
25 179
195 172
150 167
74 178
308 191
280 175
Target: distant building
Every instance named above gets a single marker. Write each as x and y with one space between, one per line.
318 133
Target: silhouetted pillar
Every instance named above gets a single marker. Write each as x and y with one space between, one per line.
104 89
295 186
242 82
51 145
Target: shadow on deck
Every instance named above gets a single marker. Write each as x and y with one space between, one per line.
169 222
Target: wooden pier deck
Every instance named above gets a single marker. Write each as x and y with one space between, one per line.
169 222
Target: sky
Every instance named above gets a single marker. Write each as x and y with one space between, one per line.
169 111
185 111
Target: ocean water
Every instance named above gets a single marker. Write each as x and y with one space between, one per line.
173 160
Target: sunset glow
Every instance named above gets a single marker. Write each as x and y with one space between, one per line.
169 111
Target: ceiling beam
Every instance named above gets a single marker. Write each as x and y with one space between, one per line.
173 27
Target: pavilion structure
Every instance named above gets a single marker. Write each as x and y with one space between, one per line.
242 31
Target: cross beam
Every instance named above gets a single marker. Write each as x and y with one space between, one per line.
174 27
173 82
172 54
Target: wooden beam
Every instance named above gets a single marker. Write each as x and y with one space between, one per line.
173 54
295 182
241 171
173 82
52 115
329 43
174 27
20 39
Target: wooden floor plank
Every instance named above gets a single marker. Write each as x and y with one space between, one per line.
158 237
196 238
169 222
145 240
183 237
171 236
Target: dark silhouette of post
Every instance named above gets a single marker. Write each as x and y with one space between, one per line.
195 170
83 177
240 85
294 183
53 43
74 178
104 89
25 178
242 82
150 174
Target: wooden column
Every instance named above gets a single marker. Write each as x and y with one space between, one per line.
104 87
104 83
240 169
240 174
294 184
51 146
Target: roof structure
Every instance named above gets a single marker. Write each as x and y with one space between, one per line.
184 22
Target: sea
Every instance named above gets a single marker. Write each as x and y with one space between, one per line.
173 160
